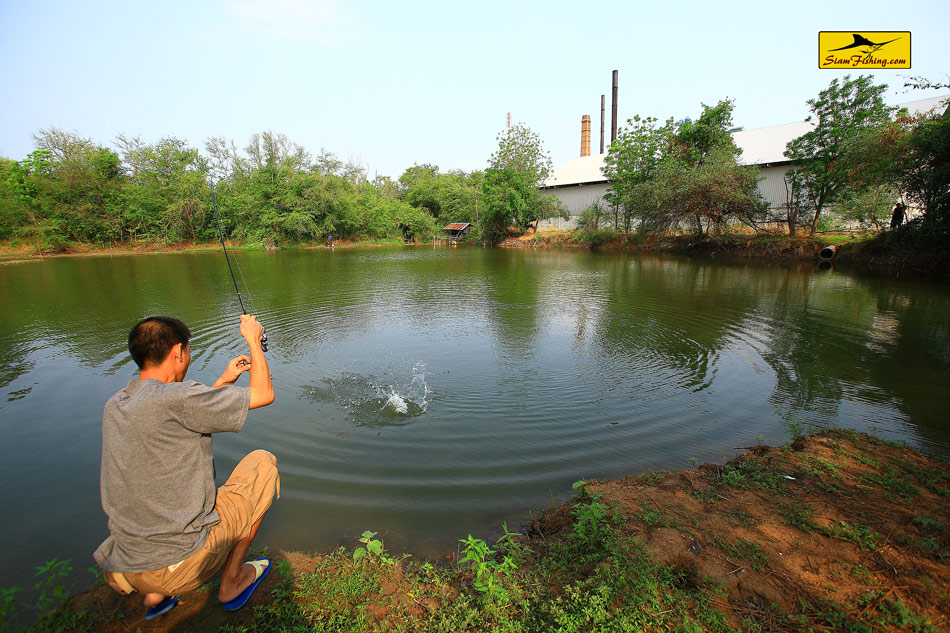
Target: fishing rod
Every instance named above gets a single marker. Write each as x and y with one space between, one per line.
217 221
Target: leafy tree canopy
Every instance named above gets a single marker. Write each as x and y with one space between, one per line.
841 112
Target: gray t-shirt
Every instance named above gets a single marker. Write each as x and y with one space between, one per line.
157 480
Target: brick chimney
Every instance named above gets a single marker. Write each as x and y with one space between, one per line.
585 135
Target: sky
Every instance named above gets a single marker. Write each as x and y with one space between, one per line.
392 84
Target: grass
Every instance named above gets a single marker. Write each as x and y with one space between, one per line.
799 516
740 517
861 535
927 523
894 481
752 474
741 548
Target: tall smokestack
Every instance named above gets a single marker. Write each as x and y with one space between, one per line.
613 111
602 108
585 135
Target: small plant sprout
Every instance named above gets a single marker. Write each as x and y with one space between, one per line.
372 547
50 584
7 606
794 428
488 572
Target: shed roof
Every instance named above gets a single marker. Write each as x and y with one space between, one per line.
926 106
766 145
578 171
456 226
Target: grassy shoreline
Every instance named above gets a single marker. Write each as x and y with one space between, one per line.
15 252
835 531
883 252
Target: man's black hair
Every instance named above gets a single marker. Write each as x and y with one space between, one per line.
151 340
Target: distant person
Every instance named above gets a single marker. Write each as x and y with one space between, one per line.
330 240
170 529
897 217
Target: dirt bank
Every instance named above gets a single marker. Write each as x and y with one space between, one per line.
835 519
751 245
838 531
897 253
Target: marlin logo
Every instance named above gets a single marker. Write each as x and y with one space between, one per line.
860 40
864 49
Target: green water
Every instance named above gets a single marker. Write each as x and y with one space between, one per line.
518 372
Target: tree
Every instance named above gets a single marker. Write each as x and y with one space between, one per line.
715 192
928 173
418 187
695 140
75 196
521 150
841 111
510 188
683 172
877 159
632 161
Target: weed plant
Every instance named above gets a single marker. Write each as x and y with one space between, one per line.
861 535
798 515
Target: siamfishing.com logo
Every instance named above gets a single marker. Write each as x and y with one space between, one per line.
867 49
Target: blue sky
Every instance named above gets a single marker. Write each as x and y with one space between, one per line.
390 84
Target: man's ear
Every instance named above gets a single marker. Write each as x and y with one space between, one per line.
178 351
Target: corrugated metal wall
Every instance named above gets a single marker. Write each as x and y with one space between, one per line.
575 199
579 197
773 187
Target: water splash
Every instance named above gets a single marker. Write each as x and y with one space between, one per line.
376 401
397 402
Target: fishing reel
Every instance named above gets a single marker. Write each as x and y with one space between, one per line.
263 339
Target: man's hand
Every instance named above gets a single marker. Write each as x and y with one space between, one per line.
251 330
235 368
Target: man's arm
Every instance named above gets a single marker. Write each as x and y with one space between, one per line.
262 391
233 371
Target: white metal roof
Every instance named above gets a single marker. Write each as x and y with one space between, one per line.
926 106
762 146
578 171
767 144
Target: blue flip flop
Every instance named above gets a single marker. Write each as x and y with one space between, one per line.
262 567
162 607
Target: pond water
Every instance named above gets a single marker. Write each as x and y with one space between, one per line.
428 393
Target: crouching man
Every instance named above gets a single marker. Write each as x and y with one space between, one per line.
170 529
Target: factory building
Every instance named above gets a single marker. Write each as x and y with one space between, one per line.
580 182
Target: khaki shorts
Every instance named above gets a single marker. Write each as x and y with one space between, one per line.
241 502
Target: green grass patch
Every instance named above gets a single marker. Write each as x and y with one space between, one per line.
740 517
896 613
818 467
707 497
746 549
931 478
926 522
861 535
865 459
653 516
751 474
894 481
798 515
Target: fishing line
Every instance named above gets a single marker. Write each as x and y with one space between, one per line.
214 205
